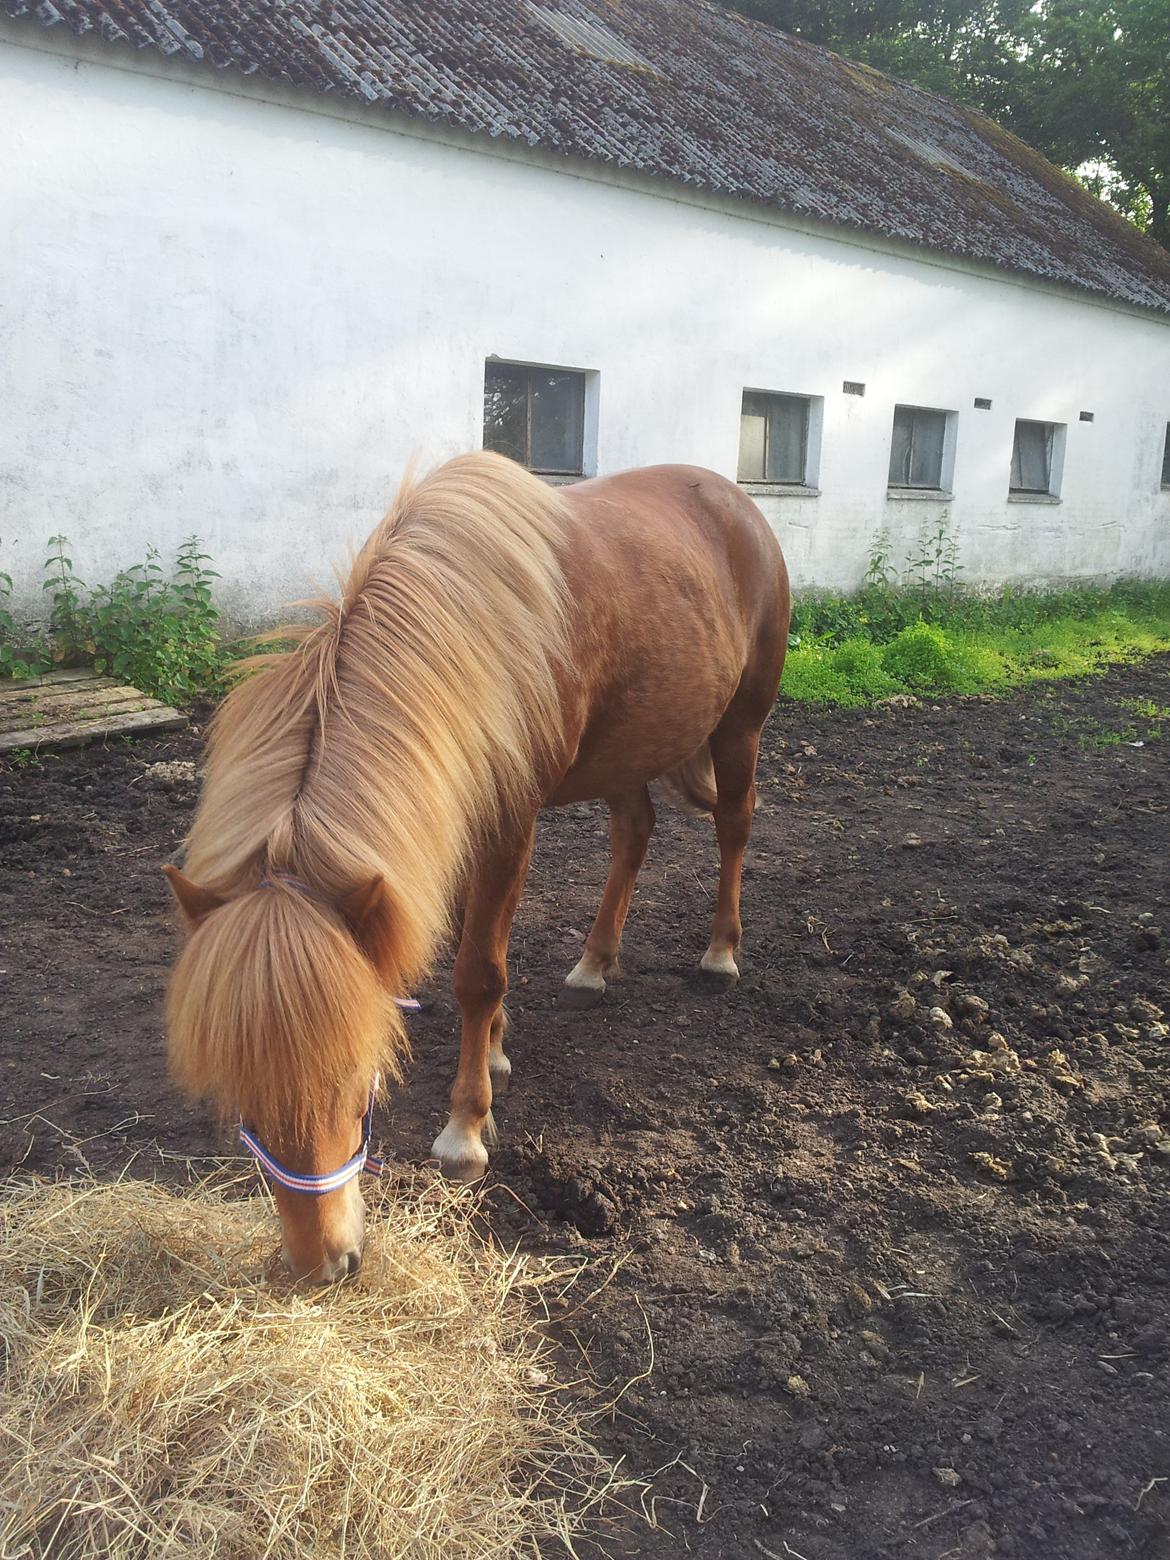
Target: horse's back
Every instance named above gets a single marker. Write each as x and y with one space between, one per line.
680 599
672 510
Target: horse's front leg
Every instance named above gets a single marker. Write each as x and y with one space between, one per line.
481 981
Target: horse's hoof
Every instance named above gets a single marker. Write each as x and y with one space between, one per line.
500 1072
465 1172
461 1156
579 999
584 986
718 971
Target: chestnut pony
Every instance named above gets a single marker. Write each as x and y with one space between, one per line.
499 646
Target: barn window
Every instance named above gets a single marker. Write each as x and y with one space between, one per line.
773 438
918 447
535 415
1032 457
1166 460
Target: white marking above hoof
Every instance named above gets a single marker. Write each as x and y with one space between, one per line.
461 1155
719 962
584 988
500 1071
583 977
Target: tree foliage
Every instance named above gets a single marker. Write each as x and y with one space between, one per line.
1083 83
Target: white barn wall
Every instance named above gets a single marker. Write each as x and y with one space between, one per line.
241 318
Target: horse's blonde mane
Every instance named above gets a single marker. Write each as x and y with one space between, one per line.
400 726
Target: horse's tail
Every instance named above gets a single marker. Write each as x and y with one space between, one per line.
691 784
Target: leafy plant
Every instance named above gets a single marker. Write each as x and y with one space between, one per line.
933 569
922 657
65 594
18 656
156 628
880 573
159 631
859 663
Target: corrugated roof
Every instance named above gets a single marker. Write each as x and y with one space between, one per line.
678 89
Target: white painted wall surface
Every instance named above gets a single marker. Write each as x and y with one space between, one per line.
241 318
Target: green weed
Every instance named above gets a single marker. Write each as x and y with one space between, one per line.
922 657
935 638
153 627
20 656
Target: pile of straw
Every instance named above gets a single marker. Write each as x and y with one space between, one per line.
162 1395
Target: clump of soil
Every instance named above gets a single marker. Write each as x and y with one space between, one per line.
892 1216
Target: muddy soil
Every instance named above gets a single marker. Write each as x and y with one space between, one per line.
892 1215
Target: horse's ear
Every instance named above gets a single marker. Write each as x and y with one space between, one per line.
363 909
195 902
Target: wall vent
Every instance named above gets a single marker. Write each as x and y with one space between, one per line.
1086 416
853 387
982 403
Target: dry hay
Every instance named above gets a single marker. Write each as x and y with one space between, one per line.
162 1396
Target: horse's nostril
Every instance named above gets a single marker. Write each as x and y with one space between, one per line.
353 1263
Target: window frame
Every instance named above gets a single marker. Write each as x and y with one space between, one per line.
529 370
1055 460
946 457
811 406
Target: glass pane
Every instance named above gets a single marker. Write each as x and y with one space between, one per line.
1166 459
901 446
753 424
1030 457
558 416
927 449
787 425
505 411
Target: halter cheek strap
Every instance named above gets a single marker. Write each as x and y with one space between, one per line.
333 1180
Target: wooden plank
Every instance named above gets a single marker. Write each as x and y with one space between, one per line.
46 720
63 674
51 704
28 691
78 733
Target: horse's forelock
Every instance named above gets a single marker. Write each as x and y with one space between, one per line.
274 1012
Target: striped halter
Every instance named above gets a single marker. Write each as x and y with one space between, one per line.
332 1180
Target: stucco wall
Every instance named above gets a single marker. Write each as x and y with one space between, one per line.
242 318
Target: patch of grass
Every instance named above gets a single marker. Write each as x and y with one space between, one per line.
1106 736
889 640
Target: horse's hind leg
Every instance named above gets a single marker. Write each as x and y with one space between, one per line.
481 981
631 823
499 1067
735 746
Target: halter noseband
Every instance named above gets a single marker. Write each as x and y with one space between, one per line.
332 1180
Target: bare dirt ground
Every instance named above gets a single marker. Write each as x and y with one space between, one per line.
893 1213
